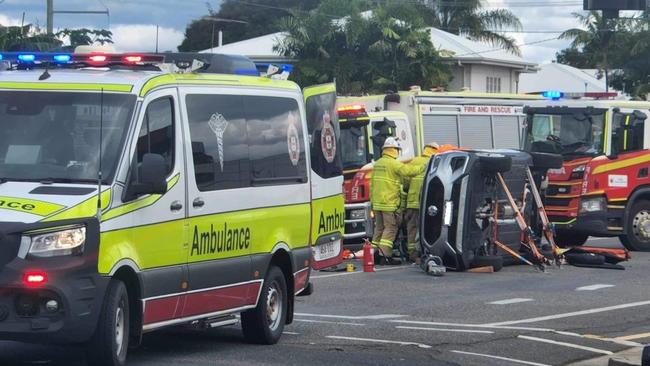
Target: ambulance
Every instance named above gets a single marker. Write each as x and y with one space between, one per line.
415 117
138 193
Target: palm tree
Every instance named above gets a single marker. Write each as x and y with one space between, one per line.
468 18
595 39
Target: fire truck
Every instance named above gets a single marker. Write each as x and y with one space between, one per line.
468 119
603 188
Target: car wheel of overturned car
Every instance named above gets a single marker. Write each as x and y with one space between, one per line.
494 163
264 324
589 259
546 161
108 345
637 228
494 261
570 239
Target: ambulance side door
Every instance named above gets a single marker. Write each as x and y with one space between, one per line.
218 186
328 207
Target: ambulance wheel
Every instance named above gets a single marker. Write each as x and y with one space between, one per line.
494 163
264 324
110 342
546 161
566 239
637 228
494 261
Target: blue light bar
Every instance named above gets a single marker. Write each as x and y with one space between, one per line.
551 94
62 59
27 57
0 57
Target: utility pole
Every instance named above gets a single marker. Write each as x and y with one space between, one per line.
51 12
50 16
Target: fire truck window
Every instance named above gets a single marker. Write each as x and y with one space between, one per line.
157 132
219 141
627 132
276 140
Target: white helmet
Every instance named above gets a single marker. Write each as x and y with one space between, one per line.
391 142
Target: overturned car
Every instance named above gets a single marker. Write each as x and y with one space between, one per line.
479 207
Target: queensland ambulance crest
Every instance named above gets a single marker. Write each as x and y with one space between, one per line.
293 140
328 139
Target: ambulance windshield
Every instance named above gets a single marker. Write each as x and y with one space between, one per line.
354 146
574 134
54 136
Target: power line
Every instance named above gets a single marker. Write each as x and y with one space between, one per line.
505 48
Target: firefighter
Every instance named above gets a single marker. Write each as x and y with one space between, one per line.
385 192
412 215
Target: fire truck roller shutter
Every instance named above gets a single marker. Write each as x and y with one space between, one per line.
476 132
506 132
440 128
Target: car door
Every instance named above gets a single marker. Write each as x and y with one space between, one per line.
328 210
218 185
150 228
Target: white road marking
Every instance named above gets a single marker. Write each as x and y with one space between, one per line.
570 345
447 330
486 326
597 286
420 345
290 333
573 313
327 322
351 273
371 317
501 358
633 336
515 300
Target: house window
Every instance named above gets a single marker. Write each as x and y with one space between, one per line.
493 84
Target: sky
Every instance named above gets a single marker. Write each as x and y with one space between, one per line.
133 22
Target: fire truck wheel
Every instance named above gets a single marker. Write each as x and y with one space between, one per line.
109 344
566 239
264 324
637 228
494 163
496 261
546 161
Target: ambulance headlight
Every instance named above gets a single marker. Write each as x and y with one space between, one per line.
594 204
69 241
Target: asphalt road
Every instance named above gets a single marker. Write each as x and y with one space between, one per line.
399 315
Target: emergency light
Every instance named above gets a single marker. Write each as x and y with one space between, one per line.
90 59
554 95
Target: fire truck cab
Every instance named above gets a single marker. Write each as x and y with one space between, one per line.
603 189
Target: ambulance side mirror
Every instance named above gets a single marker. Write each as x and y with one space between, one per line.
152 174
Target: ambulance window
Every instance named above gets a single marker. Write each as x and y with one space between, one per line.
219 141
324 135
275 139
157 132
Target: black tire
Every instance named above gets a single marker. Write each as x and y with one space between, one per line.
546 161
104 348
645 356
570 239
260 326
496 261
638 218
590 259
494 163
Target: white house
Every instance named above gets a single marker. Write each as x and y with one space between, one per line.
475 66
565 78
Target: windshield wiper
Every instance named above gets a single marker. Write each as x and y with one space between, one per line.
65 180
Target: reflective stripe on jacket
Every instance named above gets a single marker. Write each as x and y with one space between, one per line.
386 182
415 185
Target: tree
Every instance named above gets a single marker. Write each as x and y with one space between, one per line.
386 49
261 17
84 37
600 43
468 18
26 38
576 58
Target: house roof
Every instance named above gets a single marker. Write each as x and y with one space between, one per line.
554 76
453 47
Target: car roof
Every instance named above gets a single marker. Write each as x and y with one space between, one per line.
138 82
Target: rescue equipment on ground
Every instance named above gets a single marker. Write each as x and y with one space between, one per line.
368 257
